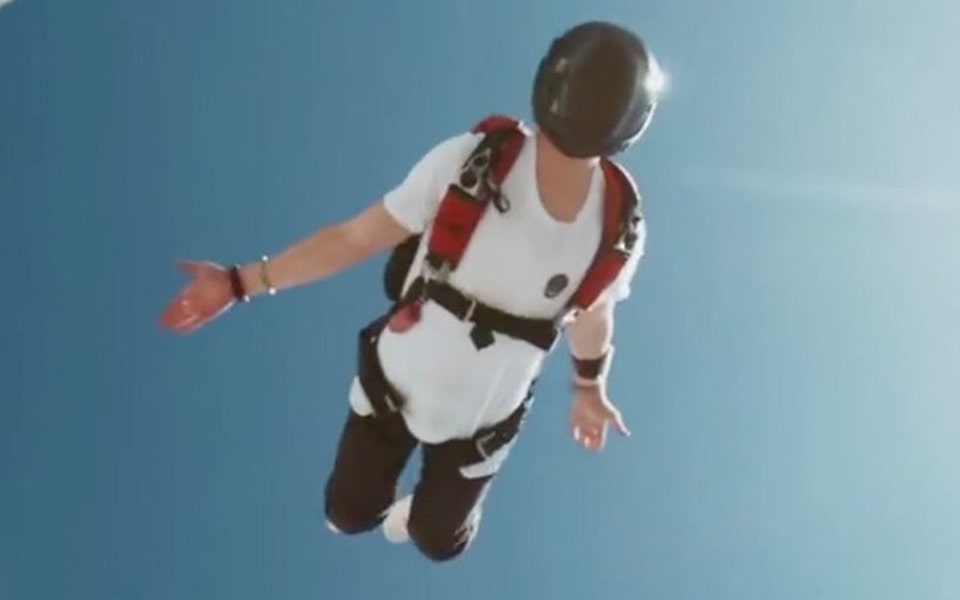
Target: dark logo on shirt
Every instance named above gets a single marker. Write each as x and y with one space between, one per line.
557 284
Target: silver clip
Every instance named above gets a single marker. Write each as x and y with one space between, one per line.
430 274
472 175
565 317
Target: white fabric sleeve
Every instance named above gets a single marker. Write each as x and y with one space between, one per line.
415 201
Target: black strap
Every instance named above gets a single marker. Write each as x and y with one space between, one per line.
541 333
488 440
384 398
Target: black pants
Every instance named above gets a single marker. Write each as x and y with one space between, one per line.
371 455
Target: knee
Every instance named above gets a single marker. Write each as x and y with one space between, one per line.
435 544
344 516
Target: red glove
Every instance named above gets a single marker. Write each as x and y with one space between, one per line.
209 295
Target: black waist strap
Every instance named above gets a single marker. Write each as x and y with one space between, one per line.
541 333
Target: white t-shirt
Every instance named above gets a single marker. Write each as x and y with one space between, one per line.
450 387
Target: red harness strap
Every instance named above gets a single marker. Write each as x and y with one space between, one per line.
479 183
620 219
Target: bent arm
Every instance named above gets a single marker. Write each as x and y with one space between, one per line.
328 251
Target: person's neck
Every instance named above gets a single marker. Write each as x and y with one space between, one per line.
563 181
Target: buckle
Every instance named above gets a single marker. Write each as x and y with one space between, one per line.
482 441
428 273
565 318
391 403
471 308
473 172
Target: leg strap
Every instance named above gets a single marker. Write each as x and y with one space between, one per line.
488 440
385 399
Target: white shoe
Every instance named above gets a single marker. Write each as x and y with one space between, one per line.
395 523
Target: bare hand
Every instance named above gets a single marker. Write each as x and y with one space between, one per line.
208 296
590 417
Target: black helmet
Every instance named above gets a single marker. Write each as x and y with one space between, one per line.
595 90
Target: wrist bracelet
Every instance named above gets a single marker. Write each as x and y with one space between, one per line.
264 277
236 285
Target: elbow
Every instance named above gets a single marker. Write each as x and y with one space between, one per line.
352 243
369 233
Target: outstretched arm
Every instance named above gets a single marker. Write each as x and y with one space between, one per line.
403 211
328 251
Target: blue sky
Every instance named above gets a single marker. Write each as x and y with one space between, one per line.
787 362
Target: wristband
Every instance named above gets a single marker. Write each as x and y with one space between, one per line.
236 285
592 371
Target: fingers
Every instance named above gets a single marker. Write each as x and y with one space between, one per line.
182 322
196 268
183 315
595 441
174 312
190 267
591 433
188 325
598 439
202 300
591 438
618 422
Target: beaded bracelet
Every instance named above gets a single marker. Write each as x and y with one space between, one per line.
264 277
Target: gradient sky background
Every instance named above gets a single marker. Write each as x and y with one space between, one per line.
788 362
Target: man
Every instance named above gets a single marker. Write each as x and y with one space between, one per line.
451 367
